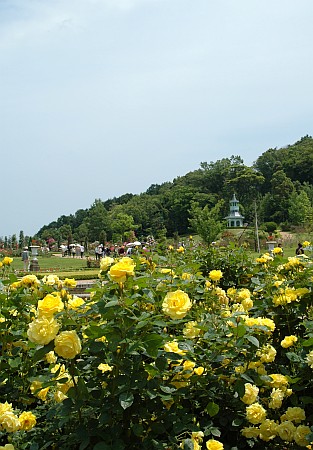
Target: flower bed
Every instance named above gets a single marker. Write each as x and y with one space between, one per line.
193 349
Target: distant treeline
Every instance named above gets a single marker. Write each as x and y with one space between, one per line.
279 186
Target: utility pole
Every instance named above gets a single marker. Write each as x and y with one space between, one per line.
256 229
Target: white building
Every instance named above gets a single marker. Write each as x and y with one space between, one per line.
235 219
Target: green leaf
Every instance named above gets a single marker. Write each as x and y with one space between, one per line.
167 389
240 330
84 444
306 400
137 429
152 343
308 342
293 357
253 340
102 446
111 303
188 444
161 363
246 377
15 362
96 347
212 409
126 399
237 422
215 431
240 388
82 388
41 352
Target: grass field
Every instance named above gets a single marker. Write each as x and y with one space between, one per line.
63 267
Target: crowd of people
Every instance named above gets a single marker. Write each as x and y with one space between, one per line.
73 250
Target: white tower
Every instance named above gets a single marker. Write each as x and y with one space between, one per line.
235 219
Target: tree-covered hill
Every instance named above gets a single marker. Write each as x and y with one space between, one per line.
279 184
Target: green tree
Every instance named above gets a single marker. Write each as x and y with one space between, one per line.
81 232
279 200
14 243
300 209
207 222
98 220
21 241
121 224
66 233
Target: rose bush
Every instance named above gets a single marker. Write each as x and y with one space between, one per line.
188 350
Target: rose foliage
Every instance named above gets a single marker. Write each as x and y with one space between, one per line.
200 349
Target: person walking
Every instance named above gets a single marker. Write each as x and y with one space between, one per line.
25 259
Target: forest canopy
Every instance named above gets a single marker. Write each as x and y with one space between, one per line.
279 185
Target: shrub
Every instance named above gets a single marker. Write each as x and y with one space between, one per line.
190 349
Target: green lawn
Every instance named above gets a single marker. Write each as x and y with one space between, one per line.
63 267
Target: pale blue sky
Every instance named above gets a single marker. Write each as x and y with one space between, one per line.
103 97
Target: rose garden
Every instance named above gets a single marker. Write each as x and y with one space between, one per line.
195 348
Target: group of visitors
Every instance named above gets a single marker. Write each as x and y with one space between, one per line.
73 250
101 251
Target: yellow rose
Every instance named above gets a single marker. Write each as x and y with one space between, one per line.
50 357
51 304
67 344
278 380
309 359
250 432
243 294
191 330
286 431
199 370
35 389
59 397
29 281
212 444
277 397
294 414
121 270
27 420
70 282
288 341
251 393
176 304
247 304
299 436
64 387
4 407
7 261
7 447
75 302
168 272
268 430
106 262
255 413
42 330
172 347
105 367
266 354
215 275
51 280
9 422
186 276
